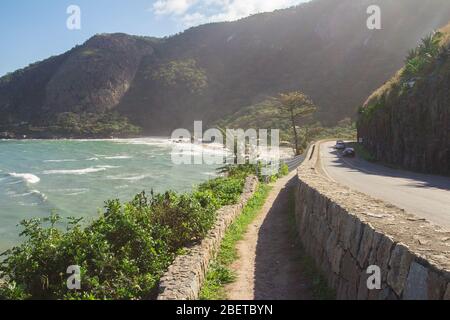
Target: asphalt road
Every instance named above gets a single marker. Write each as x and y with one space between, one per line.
426 196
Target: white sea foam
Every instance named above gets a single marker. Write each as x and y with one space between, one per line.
109 167
27 204
158 142
27 177
128 178
200 149
80 171
118 157
14 182
122 187
62 160
209 173
76 172
41 195
75 192
13 194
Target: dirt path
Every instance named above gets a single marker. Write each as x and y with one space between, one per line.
269 267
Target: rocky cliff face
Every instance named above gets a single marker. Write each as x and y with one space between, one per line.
322 48
89 78
407 121
95 77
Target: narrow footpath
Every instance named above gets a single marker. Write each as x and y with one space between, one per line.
269 265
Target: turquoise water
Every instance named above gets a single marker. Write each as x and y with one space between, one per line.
75 177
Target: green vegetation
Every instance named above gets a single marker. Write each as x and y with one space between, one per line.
74 125
89 124
90 52
419 62
123 253
233 65
249 169
266 115
401 124
219 273
423 55
345 129
226 190
362 152
183 73
296 106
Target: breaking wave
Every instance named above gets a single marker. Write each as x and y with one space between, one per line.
57 161
80 171
27 177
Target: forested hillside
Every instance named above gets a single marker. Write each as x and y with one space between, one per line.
322 48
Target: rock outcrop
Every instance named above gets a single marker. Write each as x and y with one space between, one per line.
407 121
95 77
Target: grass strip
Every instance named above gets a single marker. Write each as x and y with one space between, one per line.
220 273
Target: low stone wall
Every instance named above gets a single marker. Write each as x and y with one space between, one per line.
184 278
347 231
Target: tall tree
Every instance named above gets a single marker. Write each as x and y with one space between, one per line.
296 106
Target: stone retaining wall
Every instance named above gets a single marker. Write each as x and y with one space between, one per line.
184 278
347 231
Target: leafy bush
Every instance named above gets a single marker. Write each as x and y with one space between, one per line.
226 190
417 64
242 171
423 55
122 254
188 217
284 170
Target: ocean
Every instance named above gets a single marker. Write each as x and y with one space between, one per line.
75 177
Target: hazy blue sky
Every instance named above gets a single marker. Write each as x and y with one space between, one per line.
33 30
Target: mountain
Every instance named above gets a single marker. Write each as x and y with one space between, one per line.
322 48
407 121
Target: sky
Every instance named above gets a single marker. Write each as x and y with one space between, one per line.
33 30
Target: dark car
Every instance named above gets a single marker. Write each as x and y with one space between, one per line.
340 145
349 153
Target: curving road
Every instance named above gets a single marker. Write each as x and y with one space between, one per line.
427 196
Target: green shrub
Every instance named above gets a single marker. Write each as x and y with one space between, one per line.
122 254
226 190
422 56
284 170
243 170
188 217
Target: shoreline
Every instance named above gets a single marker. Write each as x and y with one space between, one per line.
285 152
81 138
